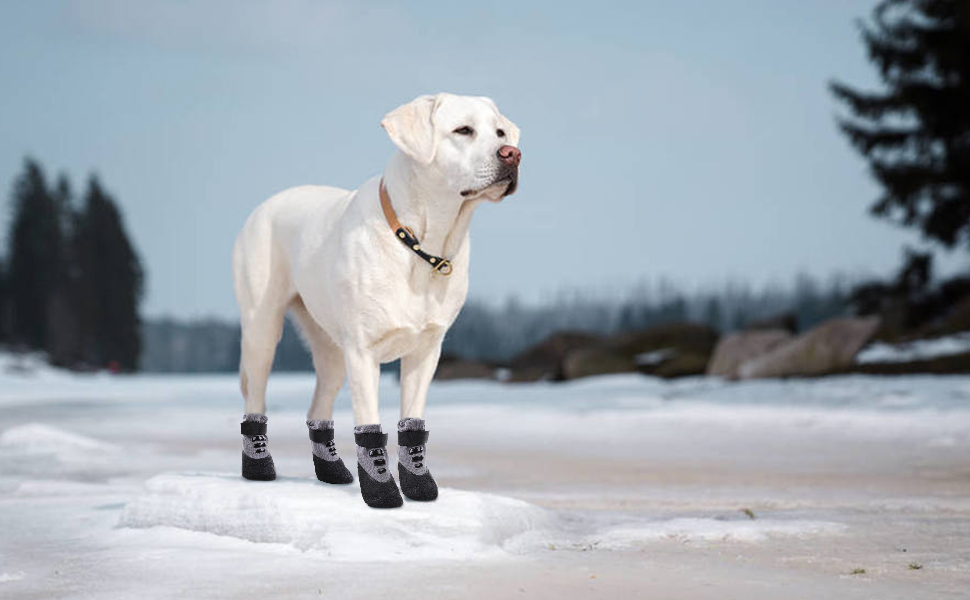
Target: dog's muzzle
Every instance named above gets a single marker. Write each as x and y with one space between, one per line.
510 157
510 174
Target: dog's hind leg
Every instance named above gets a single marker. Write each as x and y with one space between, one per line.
260 334
328 362
259 339
263 291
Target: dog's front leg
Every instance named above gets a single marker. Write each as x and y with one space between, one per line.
377 485
363 375
417 371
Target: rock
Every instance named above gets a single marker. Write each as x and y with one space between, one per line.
681 365
683 338
671 350
737 348
599 360
830 347
457 368
544 360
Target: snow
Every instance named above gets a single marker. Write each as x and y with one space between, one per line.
462 525
655 357
308 515
881 352
694 529
111 485
40 439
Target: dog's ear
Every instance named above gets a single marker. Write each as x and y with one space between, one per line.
411 128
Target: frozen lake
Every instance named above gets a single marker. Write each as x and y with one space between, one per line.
117 487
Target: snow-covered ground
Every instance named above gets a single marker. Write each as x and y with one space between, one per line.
878 352
123 487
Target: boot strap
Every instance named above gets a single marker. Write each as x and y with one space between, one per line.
252 428
371 439
411 438
321 436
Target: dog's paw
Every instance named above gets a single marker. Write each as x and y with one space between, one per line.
258 469
379 494
421 488
332 471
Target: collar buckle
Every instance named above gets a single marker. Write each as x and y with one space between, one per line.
406 236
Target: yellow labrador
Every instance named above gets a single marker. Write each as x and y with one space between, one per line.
371 275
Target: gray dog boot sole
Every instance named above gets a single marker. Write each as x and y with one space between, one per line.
377 486
257 463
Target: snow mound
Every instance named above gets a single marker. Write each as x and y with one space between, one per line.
310 515
5 577
37 438
32 449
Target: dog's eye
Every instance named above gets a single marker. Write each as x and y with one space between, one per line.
500 132
466 130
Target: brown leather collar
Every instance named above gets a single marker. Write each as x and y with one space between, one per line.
406 236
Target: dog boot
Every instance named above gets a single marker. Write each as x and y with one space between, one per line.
329 467
416 480
377 485
257 464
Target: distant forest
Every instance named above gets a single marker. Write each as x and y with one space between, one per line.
71 281
497 334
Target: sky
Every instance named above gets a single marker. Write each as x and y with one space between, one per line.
693 142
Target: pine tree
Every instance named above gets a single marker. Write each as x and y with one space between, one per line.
63 318
110 283
916 133
4 297
35 246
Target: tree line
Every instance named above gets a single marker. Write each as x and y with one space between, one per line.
498 332
71 281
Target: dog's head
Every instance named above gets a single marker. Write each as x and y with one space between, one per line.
462 140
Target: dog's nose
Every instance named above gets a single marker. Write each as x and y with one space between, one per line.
509 155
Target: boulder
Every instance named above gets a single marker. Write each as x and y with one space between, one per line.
680 365
544 360
682 338
737 348
670 350
596 360
456 368
830 347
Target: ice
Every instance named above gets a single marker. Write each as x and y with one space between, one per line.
310 515
460 525
710 530
129 486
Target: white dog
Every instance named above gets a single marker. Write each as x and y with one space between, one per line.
370 276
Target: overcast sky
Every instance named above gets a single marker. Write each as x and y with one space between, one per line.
693 141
